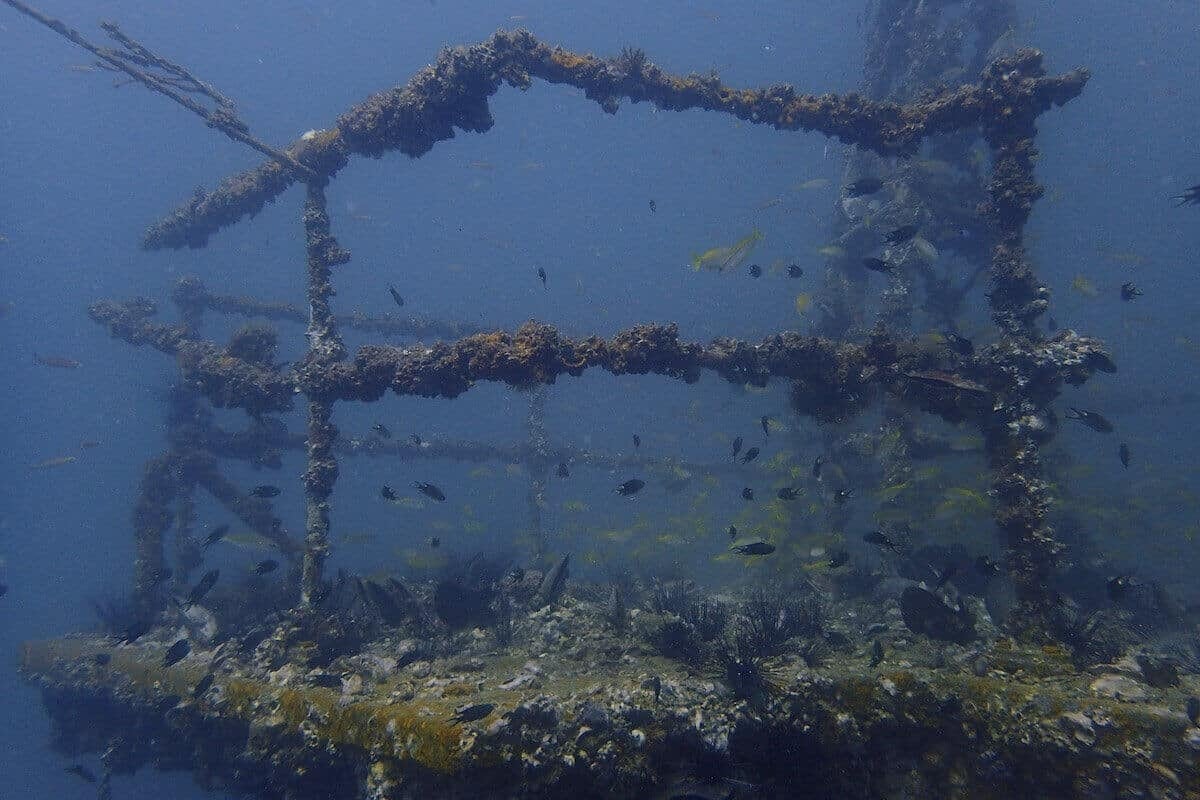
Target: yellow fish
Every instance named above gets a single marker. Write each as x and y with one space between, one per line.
731 257
1122 257
1084 286
832 251
360 537
803 302
54 462
889 493
423 559
575 507
480 472
248 540
513 469
473 527
814 183
408 502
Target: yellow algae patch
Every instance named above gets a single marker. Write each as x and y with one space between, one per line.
429 741
568 60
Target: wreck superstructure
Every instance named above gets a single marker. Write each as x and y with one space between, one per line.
571 707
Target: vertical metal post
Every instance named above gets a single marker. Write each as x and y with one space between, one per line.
539 467
324 349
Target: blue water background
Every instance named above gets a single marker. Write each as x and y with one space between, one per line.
86 167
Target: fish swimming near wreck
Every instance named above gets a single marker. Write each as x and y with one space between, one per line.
1096 421
472 713
934 377
429 490
719 259
207 581
59 362
176 653
752 546
57 461
863 186
396 298
215 535
630 487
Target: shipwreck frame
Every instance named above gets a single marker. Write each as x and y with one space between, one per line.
1005 389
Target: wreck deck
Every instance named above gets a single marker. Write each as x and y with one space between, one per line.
577 716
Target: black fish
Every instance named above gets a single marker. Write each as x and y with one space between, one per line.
415 438
562 470
161 576
876 654
838 558
630 487
1090 418
637 440
265 491
842 495
203 686
1193 711
737 446
864 186
435 542
79 770
388 493
816 470
429 490
959 344
215 535
788 493
1130 291
472 713
3 589
732 531
1118 586
877 264
135 631
747 493
795 271
751 454
985 566
653 206
207 581
880 539
1189 197
101 659
901 234
541 273
176 653
382 430
264 567
396 296
944 575
1123 452
755 271
765 422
